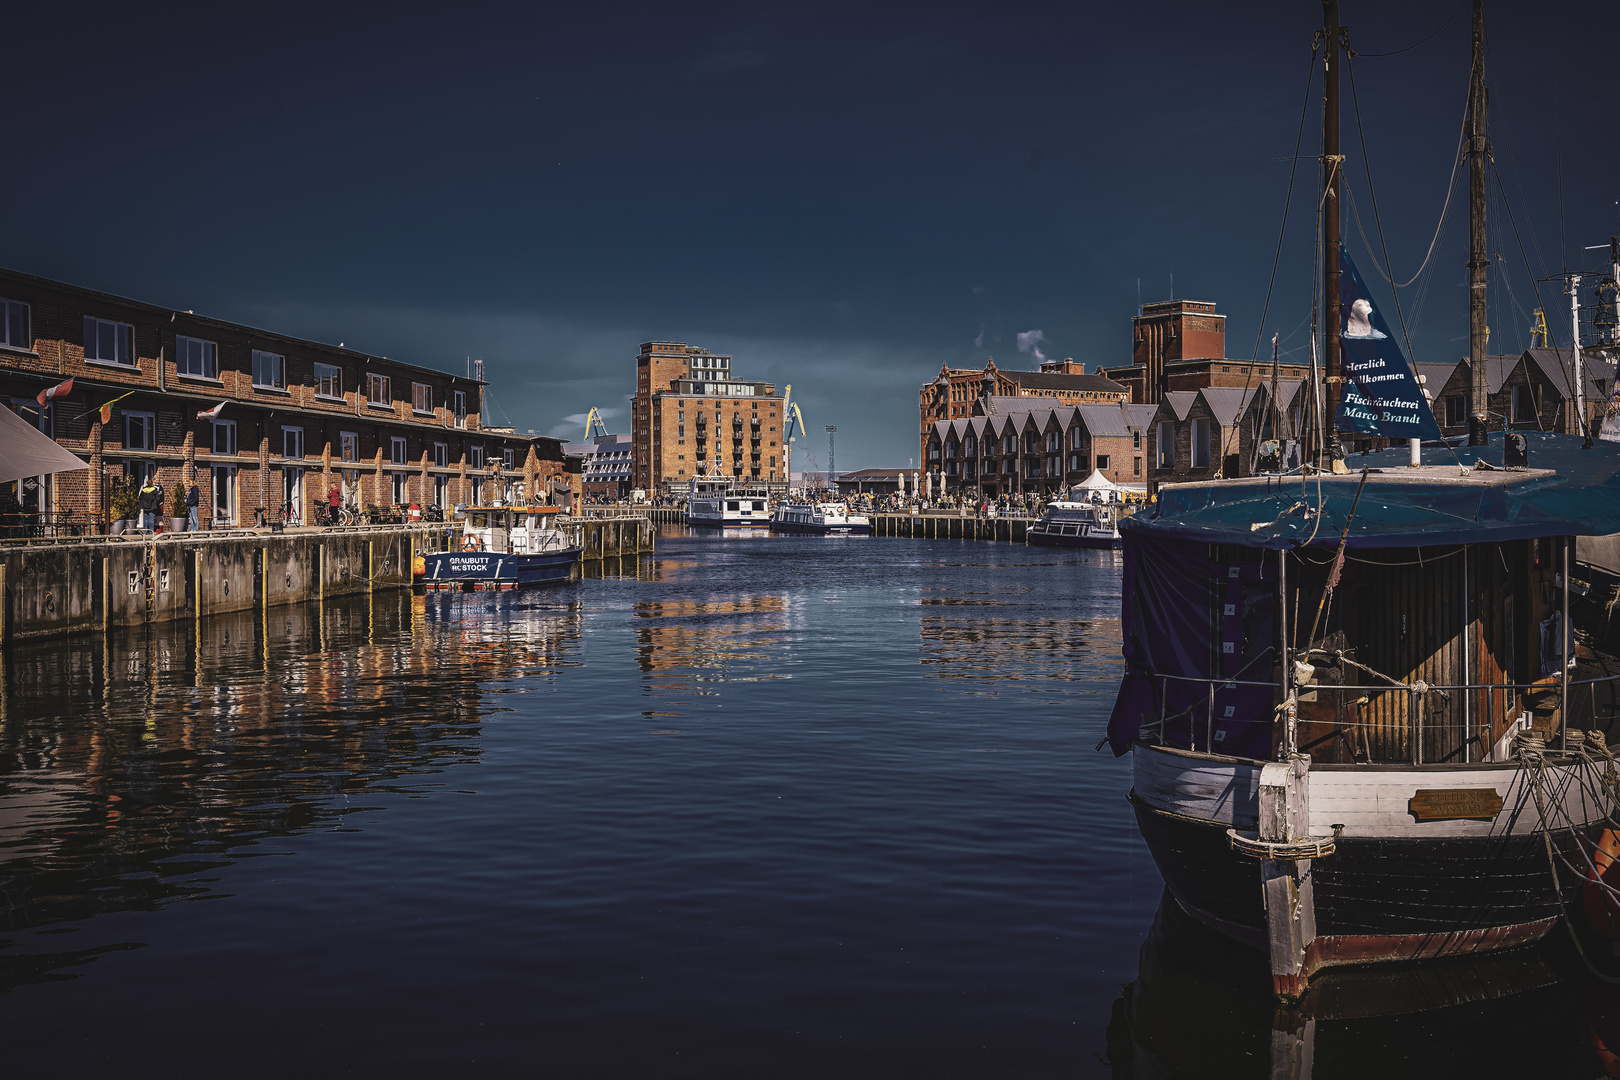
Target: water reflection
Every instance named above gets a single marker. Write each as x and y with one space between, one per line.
711 633
135 765
1200 1006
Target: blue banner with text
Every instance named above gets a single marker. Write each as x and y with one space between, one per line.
1381 395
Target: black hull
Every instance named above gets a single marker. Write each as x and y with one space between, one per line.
821 530
1376 898
1042 539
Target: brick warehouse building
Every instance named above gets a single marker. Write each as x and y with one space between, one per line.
297 418
691 417
960 392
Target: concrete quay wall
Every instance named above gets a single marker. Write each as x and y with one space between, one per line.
82 584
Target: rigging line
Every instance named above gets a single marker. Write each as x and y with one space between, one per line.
1425 41
1372 193
1551 337
1282 232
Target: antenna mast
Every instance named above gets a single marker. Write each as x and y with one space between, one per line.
1478 261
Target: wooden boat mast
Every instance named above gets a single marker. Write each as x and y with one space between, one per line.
1478 259
1332 456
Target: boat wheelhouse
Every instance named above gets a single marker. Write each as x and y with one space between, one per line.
1357 729
826 519
502 547
721 503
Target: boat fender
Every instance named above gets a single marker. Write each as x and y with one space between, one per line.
471 542
1602 907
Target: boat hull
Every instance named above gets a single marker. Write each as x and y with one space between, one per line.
1394 888
812 528
1042 538
470 567
718 521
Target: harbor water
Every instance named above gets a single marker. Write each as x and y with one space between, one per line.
784 806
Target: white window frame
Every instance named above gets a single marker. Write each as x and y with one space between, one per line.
398 488
269 370
1104 461
506 458
290 436
224 509
374 382
195 358
328 381
475 457
441 491
459 401
228 429
441 454
16 325
349 446
148 423
397 452
421 391
123 344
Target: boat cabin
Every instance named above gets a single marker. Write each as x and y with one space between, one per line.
512 530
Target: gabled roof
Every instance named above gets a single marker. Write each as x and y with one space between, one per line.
1179 401
1226 403
1436 375
1555 364
1104 420
1003 405
1139 417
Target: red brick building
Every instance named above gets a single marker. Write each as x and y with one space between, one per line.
295 418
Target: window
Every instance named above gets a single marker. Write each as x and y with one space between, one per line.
1200 442
441 492
269 370
400 495
475 456
1010 444
199 359
139 431
14 325
459 401
224 433
969 448
1074 438
1102 462
1167 446
506 458
1456 410
1136 440
1077 463
292 442
350 442
377 390
441 454
950 450
1032 442
421 397
1136 466
328 381
396 450
108 342
1053 441
1524 405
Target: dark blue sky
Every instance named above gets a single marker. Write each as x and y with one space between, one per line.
843 196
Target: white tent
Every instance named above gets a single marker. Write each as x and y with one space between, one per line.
1098 484
26 451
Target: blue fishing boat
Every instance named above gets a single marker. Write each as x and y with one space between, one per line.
503 547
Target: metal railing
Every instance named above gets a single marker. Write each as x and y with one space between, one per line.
1415 717
22 525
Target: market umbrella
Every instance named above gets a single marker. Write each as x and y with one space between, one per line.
25 451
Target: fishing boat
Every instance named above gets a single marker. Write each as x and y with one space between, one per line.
1077 524
825 519
722 503
503 547
1356 726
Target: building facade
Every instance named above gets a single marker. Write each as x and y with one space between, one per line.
1531 391
692 418
1041 449
605 465
263 423
956 393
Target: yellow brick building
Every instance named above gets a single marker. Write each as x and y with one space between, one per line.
692 418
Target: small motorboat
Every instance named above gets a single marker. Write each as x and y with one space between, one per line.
1078 524
503 547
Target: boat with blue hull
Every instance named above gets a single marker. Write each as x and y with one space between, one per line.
504 547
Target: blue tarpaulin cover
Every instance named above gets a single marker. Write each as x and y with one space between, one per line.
1193 612
1405 508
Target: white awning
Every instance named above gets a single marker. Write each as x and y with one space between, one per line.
1098 482
26 451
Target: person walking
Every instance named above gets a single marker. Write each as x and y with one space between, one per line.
149 500
193 496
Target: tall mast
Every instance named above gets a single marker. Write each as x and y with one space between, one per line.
1332 172
1477 260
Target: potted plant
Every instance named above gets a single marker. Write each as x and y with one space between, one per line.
177 509
125 505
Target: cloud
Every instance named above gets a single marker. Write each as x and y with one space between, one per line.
1030 342
978 342
572 426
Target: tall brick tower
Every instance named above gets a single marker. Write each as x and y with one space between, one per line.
1174 330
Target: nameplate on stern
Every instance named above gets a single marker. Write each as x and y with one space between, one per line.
1455 804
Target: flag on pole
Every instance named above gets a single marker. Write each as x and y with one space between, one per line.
211 414
1381 393
59 390
106 410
